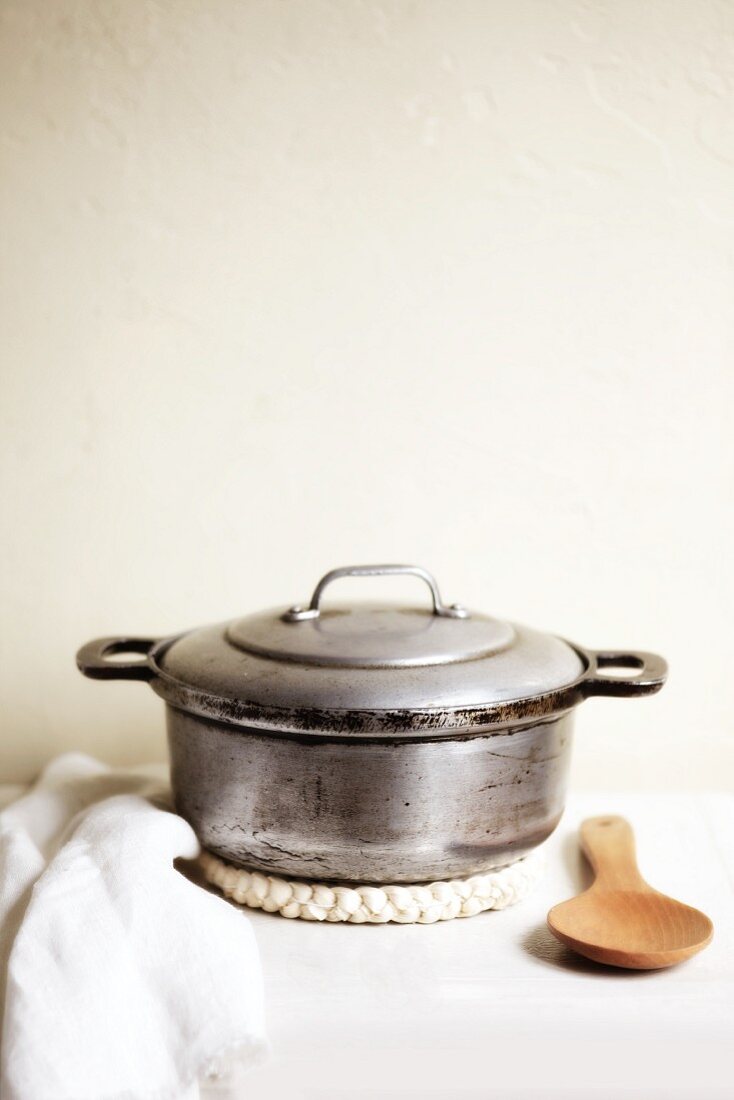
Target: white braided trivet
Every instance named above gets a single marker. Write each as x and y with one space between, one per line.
374 904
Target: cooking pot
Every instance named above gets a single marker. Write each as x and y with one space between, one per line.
370 743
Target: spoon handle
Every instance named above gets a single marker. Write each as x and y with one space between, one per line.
609 845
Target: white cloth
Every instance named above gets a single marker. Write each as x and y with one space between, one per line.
123 978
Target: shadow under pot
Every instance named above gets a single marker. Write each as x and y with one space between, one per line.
369 743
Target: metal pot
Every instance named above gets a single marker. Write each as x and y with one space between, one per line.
371 744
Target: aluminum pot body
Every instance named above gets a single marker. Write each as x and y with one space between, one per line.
369 811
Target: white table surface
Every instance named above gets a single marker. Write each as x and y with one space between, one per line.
493 1006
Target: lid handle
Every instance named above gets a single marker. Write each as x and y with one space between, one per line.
297 614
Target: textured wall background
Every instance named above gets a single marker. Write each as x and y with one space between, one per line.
290 285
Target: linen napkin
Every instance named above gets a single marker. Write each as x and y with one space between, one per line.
122 977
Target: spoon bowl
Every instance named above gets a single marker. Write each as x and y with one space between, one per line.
621 920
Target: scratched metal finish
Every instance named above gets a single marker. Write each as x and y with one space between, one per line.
405 811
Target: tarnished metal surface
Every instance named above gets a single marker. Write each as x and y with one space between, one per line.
531 663
371 671
370 745
647 675
369 811
371 637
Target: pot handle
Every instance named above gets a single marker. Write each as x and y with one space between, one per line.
650 672
298 613
92 659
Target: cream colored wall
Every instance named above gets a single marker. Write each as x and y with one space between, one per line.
291 285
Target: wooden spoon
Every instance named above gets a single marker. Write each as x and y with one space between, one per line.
620 920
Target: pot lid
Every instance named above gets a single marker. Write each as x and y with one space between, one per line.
362 668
